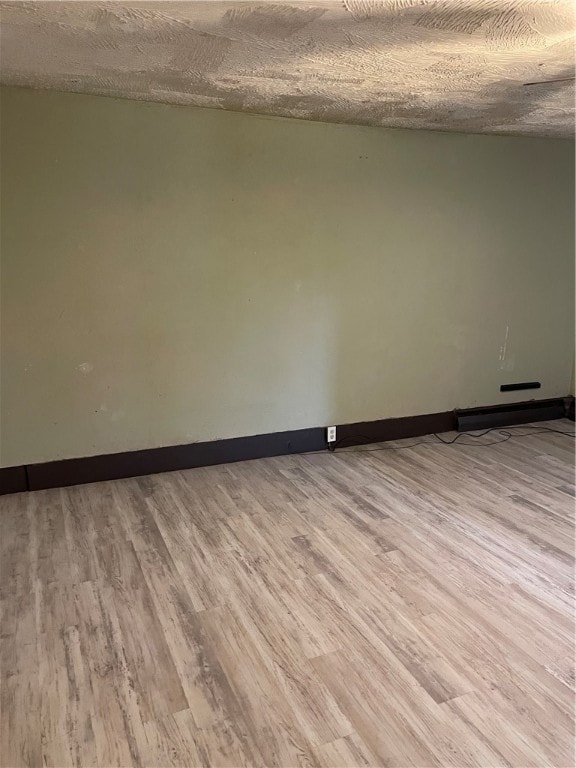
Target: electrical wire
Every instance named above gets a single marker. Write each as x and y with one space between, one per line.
506 434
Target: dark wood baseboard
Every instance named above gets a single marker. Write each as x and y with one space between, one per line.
153 460
115 466
394 429
13 480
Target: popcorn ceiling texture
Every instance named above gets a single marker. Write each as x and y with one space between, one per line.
435 64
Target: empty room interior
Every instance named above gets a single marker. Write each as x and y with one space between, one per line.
287 384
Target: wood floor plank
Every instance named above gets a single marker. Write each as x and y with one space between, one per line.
412 606
345 752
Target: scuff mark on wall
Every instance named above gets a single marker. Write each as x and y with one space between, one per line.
504 347
506 360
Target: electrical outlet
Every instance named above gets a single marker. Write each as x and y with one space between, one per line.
331 434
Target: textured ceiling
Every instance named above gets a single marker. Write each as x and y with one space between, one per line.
445 64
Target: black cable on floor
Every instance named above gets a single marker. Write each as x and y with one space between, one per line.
506 435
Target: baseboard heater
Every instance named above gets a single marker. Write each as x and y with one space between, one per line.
507 415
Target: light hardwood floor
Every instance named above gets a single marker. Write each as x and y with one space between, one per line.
392 608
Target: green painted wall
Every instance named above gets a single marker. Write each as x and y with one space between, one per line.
172 274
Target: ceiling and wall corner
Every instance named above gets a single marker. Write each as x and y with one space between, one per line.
481 66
